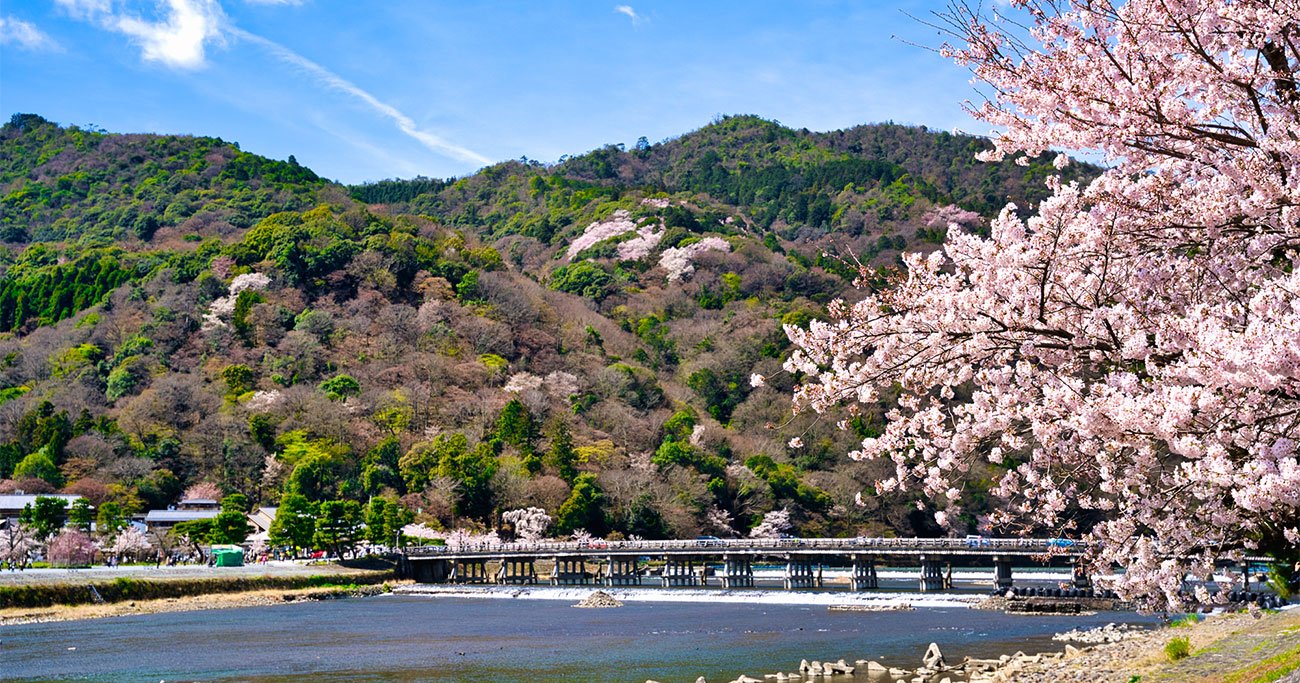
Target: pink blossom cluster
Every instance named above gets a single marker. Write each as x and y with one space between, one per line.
130 542
618 223
641 246
531 524
16 544
70 548
679 262
1131 351
949 215
422 531
557 383
774 524
718 521
461 539
221 309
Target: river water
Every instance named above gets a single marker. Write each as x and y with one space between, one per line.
473 639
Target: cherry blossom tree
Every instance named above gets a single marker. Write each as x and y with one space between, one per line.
16 545
774 524
1129 350
204 490
530 524
70 548
131 543
679 262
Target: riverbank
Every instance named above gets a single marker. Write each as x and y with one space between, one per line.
14 616
63 595
1225 648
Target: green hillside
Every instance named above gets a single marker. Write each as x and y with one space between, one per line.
577 337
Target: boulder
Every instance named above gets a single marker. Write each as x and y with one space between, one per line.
933 658
803 666
873 667
1072 651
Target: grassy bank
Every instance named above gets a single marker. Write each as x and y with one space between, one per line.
130 588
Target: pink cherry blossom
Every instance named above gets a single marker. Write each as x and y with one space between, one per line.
679 261
1128 349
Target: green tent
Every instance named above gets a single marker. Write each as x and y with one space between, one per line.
227 556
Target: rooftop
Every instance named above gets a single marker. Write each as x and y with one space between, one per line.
175 516
16 501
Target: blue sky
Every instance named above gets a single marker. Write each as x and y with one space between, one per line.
369 90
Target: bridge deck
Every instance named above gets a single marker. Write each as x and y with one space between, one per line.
903 547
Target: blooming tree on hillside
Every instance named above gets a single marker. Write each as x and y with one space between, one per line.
774 524
531 524
679 262
1130 351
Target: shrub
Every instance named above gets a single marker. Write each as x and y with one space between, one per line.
1178 648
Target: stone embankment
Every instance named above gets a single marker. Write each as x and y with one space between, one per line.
1110 633
1051 605
1246 647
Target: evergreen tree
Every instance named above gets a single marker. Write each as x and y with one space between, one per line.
338 526
562 455
584 508
516 426
81 514
44 516
294 524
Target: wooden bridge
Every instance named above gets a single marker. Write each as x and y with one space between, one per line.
688 563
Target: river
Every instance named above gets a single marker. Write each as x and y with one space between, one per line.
472 639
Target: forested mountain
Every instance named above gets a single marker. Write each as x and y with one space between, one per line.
577 337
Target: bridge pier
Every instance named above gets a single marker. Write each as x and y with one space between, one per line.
932 578
739 571
679 571
430 571
569 571
621 571
469 571
799 573
1002 573
864 574
522 571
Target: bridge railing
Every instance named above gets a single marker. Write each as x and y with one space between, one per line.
754 545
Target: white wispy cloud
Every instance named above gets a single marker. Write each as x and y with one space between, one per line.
328 78
631 13
25 35
180 36
179 39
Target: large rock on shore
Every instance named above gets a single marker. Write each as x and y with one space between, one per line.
933 659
